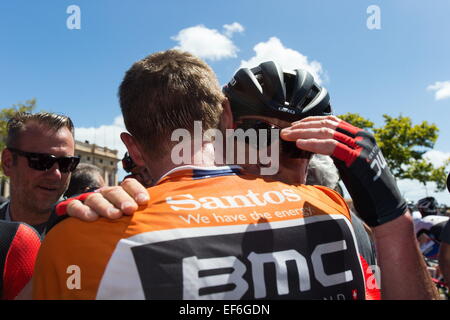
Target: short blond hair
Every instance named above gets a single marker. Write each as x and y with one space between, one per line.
166 91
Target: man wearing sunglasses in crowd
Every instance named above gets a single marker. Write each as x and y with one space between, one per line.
38 159
373 189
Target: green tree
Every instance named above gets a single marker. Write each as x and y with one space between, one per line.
403 145
358 121
7 113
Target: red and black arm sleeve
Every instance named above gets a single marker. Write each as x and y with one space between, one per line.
366 175
19 246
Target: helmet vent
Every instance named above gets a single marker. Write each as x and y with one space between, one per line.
311 95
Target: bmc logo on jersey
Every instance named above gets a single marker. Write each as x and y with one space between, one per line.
307 261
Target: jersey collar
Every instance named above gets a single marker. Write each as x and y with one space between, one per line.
195 172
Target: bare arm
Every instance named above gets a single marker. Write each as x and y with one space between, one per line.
403 271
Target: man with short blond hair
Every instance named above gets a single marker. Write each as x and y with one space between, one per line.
184 102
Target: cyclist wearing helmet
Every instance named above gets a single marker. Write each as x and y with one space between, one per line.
267 97
427 206
371 186
428 228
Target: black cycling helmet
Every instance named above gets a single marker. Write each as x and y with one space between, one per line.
427 206
267 90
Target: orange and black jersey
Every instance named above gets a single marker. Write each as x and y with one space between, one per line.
19 245
209 234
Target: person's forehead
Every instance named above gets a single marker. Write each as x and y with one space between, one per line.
41 138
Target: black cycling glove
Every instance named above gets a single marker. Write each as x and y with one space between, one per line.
366 175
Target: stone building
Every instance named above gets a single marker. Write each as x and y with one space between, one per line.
104 158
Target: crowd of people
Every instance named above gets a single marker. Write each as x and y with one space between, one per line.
208 228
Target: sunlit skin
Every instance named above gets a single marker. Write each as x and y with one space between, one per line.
291 171
34 192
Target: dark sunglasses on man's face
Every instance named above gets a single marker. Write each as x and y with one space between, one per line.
288 148
45 161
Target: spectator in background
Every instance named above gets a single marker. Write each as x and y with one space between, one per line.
38 159
431 222
86 178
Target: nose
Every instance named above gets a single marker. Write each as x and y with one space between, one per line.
54 171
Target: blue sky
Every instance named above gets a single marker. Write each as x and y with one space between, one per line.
402 68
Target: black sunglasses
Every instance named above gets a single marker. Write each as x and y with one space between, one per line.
287 147
45 161
128 163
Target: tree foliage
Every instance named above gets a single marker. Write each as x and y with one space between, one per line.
403 145
8 113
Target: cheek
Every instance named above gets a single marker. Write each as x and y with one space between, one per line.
65 179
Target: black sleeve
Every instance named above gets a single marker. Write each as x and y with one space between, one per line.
445 235
365 245
55 217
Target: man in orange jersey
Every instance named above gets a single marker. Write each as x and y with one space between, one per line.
213 232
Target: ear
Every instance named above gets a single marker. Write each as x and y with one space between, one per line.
226 120
133 148
7 161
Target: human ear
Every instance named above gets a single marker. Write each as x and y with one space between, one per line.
133 148
226 119
7 161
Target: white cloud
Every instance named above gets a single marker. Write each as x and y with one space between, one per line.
413 190
287 58
232 28
106 136
442 90
208 43
436 157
